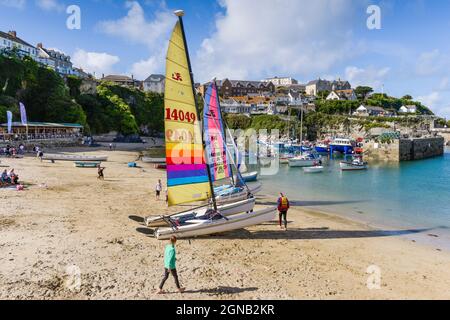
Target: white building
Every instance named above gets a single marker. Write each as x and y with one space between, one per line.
154 83
408 109
285 81
342 95
10 41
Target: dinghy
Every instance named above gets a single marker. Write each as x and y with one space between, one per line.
195 162
315 169
79 164
154 160
70 157
250 176
356 164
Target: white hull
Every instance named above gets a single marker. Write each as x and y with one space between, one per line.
352 167
317 169
250 176
301 162
63 157
221 200
195 228
154 160
225 210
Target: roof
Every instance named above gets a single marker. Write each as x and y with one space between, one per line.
243 83
155 78
113 77
375 108
16 39
45 124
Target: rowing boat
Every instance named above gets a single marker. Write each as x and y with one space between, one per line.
70 157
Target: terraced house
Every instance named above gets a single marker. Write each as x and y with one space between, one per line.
234 88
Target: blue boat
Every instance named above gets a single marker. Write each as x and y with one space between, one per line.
343 146
322 148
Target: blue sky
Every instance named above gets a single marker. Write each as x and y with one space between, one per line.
254 39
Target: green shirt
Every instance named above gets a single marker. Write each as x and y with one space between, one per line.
170 257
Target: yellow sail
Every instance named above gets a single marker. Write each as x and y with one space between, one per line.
187 176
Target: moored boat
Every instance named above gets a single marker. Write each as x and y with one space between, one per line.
315 169
307 160
250 176
355 165
322 148
341 145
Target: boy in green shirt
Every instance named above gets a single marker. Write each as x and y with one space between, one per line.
170 258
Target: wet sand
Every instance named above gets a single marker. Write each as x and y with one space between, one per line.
67 221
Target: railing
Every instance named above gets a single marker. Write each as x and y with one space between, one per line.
36 137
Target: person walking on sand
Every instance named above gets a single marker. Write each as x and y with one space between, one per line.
283 207
158 190
100 170
170 258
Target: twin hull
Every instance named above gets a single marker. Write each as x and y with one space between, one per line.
195 228
225 210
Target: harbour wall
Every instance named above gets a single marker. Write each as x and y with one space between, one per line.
404 149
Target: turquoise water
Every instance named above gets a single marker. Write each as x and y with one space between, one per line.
406 195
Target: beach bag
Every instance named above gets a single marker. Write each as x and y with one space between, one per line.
19 187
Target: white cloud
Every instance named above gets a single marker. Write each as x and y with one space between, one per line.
18 4
259 38
438 102
142 69
369 76
98 62
432 63
50 5
135 28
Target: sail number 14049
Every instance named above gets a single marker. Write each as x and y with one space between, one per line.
180 115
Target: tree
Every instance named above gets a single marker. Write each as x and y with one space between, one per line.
407 97
362 92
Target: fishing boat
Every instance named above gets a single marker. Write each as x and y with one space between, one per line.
250 176
195 162
315 169
246 205
80 164
70 157
356 164
341 145
306 160
322 148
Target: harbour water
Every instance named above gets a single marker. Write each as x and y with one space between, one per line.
413 195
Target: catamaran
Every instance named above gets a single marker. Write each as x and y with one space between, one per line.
189 176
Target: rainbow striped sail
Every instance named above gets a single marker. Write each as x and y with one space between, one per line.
187 175
214 136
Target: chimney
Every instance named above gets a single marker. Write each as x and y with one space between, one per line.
39 45
13 34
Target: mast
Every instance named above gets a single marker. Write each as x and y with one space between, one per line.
301 130
180 14
223 128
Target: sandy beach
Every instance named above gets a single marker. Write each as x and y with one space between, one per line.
67 220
